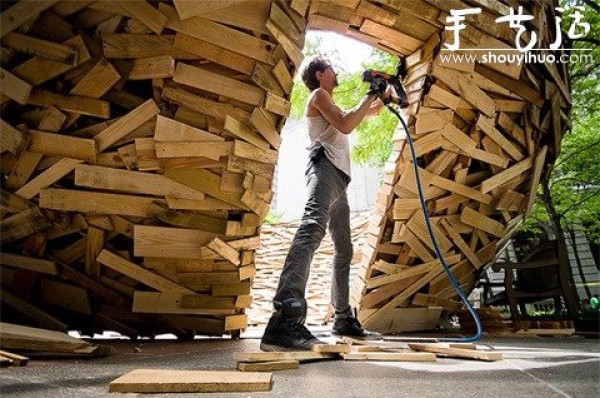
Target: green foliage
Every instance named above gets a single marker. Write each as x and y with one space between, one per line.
273 217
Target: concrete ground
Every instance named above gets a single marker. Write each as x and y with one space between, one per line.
532 367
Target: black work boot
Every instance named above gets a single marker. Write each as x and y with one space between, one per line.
351 327
286 331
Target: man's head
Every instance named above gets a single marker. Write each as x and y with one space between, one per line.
319 73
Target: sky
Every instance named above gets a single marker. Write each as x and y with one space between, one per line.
351 52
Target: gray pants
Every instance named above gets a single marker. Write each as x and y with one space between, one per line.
327 201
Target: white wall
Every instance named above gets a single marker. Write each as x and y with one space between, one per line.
290 183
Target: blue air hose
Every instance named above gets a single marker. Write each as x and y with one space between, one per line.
436 247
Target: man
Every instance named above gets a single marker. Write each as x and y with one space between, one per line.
328 175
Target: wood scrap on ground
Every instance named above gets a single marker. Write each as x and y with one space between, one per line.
182 381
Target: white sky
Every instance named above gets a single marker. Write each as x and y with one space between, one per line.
351 52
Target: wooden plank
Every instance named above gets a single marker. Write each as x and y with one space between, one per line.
538 167
146 14
126 124
461 244
179 149
283 77
218 84
389 357
62 146
249 15
163 242
263 78
253 357
94 244
152 68
426 300
480 221
220 35
12 139
278 105
29 263
262 124
48 177
181 303
507 175
22 13
215 109
383 32
178 381
224 250
99 203
98 81
128 46
249 151
22 224
331 348
14 88
240 130
38 70
457 352
18 360
215 53
205 181
132 182
172 130
487 126
35 46
189 8
71 103
268 366
139 273
290 48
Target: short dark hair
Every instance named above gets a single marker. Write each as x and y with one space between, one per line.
309 74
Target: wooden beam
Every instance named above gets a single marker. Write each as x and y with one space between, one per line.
14 87
139 273
48 177
99 203
146 14
171 381
22 13
126 124
28 263
218 84
163 242
480 221
133 182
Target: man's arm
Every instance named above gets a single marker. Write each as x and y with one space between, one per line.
343 121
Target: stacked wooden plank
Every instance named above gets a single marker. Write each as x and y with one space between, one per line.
484 133
139 142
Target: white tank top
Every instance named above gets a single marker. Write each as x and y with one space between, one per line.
337 147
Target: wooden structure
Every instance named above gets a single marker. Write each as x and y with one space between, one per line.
139 140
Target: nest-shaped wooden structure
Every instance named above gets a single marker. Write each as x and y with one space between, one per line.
139 142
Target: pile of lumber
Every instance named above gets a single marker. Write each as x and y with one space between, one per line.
35 342
275 241
362 350
484 135
139 142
